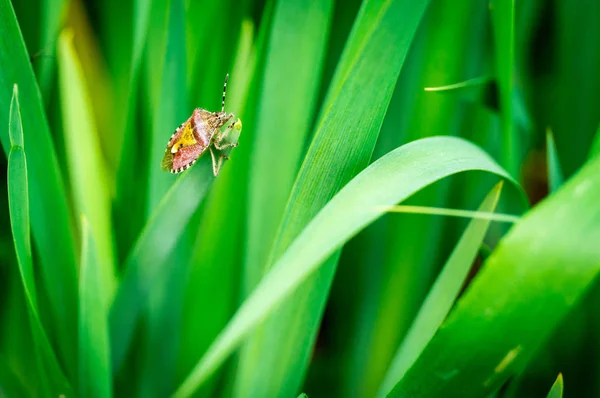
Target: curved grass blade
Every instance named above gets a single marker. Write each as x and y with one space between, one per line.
50 217
146 263
387 181
442 295
536 274
87 170
557 388
94 364
555 175
347 131
18 201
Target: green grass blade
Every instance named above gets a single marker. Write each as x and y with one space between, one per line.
387 181
172 107
94 363
128 202
18 200
342 146
50 218
557 388
145 264
503 18
442 295
294 62
52 13
555 175
206 313
87 170
536 274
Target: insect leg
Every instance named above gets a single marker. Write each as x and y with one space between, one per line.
214 162
221 136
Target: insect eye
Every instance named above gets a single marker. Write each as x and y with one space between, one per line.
180 146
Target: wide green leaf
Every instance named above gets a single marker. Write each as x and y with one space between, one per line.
387 181
443 294
535 275
95 379
50 217
342 146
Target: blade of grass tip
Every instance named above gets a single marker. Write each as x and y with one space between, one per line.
555 175
503 19
557 388
50 217
342 146
442 295
519 297
441 211
387 181
293 69
94 363
87 169
205 314
145 263
18 201
474 82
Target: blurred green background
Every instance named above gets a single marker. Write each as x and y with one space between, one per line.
281 275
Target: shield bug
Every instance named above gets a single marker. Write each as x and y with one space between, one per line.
199 133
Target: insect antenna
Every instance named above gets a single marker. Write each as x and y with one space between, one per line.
224 90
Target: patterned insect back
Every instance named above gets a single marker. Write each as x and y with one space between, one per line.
199 133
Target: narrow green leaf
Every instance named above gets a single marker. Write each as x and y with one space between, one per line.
52 15
342 146
145 264
87 170
557 388
555 175
447 47
387 181
536 274
50 217
172 107
503 18
18 201
94 363
209 305
293 66
442 295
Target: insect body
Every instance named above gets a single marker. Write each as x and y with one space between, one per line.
199 133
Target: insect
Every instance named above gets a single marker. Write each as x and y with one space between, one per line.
199 133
